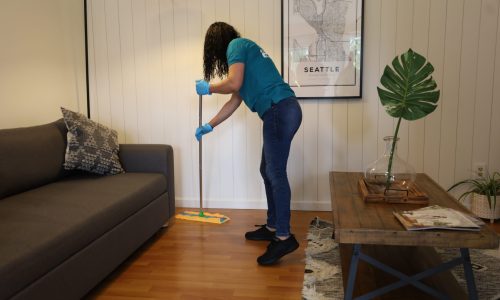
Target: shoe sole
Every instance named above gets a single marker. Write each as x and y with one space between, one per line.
259 239
268 263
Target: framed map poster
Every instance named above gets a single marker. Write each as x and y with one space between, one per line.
322 43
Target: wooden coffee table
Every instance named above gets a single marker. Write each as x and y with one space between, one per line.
379 256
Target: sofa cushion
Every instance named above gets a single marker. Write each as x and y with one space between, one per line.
41 228
92 147
31 157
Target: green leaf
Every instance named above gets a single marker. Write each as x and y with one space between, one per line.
398 68
413 113
388 83
417 61
390 101
409 91
426 97
425 86
393 76
421 74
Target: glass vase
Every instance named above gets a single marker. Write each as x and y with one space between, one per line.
396 180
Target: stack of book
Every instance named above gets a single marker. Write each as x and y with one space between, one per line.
437 217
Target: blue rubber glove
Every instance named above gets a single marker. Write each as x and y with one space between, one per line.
202 87
203 130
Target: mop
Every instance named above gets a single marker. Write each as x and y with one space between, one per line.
201 216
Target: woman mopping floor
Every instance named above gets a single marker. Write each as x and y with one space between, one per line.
252 77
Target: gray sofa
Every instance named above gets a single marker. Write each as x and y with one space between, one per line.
62 232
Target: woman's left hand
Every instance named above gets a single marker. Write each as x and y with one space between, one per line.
202 87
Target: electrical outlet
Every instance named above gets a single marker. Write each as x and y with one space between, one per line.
479 170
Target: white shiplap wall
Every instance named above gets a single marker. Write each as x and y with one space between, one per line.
42 61
145 55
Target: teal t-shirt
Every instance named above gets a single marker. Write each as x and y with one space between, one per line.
262 83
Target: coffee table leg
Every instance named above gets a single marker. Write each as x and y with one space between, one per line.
352 271
469 275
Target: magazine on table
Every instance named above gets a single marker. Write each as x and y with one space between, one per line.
437 217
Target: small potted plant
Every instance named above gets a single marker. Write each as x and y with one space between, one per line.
484 192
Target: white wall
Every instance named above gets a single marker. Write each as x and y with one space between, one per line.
42 60
146 54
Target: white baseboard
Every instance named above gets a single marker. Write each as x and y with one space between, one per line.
250 204
312 206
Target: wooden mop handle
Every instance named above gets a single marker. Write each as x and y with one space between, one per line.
200 160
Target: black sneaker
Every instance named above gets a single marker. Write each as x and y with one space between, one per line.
277 249
261 234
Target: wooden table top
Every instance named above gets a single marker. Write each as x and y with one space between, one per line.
357 222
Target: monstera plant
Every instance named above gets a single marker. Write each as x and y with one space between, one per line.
410 92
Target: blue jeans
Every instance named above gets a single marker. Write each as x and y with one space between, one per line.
281 122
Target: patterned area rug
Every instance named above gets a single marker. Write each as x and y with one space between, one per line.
323 278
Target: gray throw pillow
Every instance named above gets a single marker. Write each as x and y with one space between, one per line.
91 146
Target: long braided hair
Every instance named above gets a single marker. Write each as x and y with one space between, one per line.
217 38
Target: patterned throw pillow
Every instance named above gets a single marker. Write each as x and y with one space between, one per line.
91 146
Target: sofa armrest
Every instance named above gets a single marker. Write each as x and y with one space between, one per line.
146 158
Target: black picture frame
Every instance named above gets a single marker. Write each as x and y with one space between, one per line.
87 79
337 71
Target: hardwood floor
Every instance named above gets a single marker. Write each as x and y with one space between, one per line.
193 260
